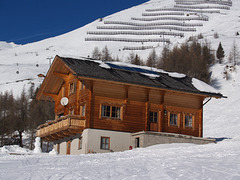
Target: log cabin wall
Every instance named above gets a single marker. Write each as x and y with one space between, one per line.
183 105
135 102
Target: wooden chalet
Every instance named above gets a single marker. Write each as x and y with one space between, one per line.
109 102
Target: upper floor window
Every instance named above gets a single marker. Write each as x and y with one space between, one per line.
72 87
71 111
111 111
82 85
188 120
153 117
82 110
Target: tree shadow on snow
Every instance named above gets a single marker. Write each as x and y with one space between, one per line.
215 83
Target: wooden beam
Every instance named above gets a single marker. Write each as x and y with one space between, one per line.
54 96
68 133
76 131
64 76
147 123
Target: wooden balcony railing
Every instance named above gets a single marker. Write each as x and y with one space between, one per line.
62 127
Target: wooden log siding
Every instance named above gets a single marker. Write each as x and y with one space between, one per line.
135 101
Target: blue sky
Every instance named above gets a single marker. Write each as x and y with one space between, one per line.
25 21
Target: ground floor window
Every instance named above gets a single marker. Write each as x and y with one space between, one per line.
188 120
105 143
153 117
80 143
173 119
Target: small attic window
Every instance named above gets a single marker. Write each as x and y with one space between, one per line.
72 87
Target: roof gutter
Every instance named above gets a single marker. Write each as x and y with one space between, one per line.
207 101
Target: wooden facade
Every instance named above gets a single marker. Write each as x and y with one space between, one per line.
110 105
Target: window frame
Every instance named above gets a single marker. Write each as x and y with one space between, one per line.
83 110
154 117
104 143
192 120
111 111
72 87
178 119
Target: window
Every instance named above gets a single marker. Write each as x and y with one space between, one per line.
80 143
71 111
72 88
188 120
111 111
82 110
63 91
153 117
173 119
105 143
82 85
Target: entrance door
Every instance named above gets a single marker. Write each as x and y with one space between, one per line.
153 121
68 147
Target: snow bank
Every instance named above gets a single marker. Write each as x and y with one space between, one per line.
202 86
14 149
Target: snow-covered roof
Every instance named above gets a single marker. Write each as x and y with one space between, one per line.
138 75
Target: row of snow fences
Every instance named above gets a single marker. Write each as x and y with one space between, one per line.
127 39
147 28
203 7
165 14
137 48
154 24
181 9
192 2
143 33
172 18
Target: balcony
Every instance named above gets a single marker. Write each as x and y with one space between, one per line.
62 127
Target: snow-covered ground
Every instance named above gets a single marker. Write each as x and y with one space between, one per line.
219 161
168 161
225 24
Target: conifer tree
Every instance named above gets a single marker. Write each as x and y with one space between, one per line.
106 55
234 54
152 59
220 53
96 54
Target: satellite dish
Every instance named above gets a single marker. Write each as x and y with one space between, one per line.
64 101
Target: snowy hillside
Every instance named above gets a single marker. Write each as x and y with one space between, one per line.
149 25
169 161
